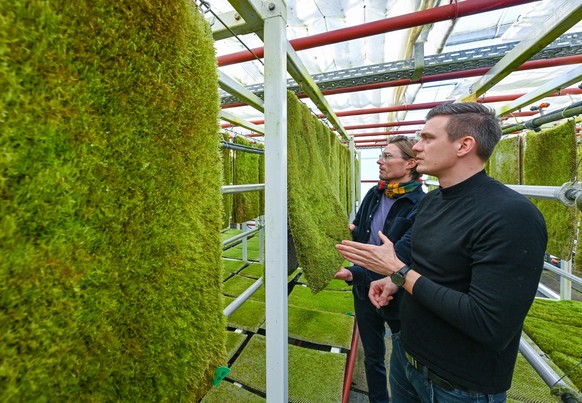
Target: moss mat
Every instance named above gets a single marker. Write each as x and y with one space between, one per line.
254 270
327 328
314 376
235 286
226 392
249 316
330 301
231 266
233 343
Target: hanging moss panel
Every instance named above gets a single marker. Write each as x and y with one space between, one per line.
505 163
110 209
317 219
227 167
314 376
577 269
549 159
555 328
246 172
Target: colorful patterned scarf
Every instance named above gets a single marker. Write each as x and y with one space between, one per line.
395 190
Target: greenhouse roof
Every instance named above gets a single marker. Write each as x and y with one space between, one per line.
470 53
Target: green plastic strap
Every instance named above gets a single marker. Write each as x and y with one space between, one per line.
220 373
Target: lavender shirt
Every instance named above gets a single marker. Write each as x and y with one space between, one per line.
379 219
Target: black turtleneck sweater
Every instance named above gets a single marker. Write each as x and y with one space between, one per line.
479 247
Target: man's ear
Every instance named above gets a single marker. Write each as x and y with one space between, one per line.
465 145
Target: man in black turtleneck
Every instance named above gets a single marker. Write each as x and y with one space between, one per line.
477 257
389 207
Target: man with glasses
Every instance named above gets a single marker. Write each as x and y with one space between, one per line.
477 256
389 207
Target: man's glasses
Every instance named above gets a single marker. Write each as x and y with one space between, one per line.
385 157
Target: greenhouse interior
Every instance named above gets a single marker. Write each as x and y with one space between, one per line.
175 178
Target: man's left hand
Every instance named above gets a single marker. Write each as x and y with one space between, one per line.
380 259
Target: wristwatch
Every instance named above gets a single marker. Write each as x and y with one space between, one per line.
398 277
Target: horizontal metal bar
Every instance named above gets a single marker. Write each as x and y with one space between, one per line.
238 301
548 292
569 111
227 189
240 236
563 273
542 368
240 147
538 192
229 117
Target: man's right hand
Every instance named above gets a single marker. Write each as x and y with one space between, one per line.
344 274
351 227
381 292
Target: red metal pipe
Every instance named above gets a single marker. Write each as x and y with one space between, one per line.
350 364
436 14
388 124
392 133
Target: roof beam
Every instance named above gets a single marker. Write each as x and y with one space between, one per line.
228 84
566 80
237 121
565 15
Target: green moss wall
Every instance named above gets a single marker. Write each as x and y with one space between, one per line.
549 158
246 171
110 210
505 163
317 216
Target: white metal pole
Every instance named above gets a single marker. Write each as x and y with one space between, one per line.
275 38
352 149
565 284
245 228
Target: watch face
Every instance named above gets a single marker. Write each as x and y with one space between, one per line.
397 279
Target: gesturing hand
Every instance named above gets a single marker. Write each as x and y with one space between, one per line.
380 259
381 292
344 274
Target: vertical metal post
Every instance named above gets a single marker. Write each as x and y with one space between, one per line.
245 242
275 38
565 284
352 149
261 223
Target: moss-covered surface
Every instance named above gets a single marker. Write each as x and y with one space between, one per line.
314 376
316 216
227 175
110 208
231 266
233 343
527 385
249 316
338 285
505 163
327 328
555 328
235 286
227 392
254 270
577 269
261 179
330 301
236 252
246 172
549 158
229 233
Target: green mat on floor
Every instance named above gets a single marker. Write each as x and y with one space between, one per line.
236 253
233 342
226 392
314 376
235 286
329 301
249 316
254 270
231 266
